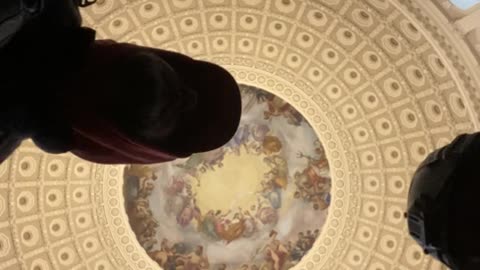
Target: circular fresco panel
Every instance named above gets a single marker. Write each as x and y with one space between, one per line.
259 202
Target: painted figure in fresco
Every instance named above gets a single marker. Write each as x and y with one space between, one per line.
253 96
140 172
272 193
207 225
266 214
302 243
277 107
301 191
319 199
312 183
142 222
188 213
321 162
138 179
192 165
234 228
310 239
175 204
258 134
203 161
147 189
251 226
296 254
221 222
271 145
222 267
298 250
165 256
279 172
240 139
140 208
276 253
147 237
314 173
196 260
213 159
176 186
176 196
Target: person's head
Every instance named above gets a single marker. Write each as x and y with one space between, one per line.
163 96
148 94
464 220
440 214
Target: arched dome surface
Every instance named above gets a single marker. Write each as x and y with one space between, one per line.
382 83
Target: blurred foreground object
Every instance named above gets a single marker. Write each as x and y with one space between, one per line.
107 102
442 204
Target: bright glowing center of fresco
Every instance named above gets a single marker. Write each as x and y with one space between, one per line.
259 202
234 185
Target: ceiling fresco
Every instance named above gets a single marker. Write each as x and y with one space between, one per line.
259 202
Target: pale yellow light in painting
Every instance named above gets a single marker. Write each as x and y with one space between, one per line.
233 186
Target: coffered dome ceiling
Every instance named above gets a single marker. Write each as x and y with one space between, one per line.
380 82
